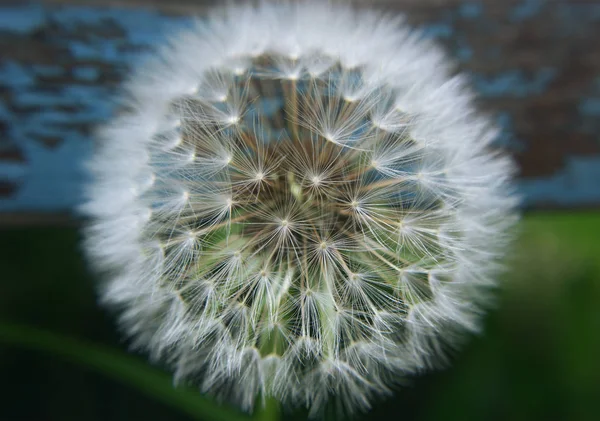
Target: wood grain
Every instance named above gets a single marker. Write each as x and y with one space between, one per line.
535 65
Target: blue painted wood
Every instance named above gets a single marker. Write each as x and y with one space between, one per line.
532 62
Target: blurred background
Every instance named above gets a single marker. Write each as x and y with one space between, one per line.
536 67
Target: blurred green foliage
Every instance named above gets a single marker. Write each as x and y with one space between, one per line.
538 358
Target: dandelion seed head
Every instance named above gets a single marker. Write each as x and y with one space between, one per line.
302 205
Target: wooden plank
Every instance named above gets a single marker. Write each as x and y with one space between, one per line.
534 63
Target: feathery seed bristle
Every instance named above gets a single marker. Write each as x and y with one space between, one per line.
317 215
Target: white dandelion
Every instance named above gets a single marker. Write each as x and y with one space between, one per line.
301 204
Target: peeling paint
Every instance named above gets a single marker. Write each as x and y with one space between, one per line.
590 106
52 180
15 75
50 107
21 19
470 10
438 30
514 82
526 10
575 185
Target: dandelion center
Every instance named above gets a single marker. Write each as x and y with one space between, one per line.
290 134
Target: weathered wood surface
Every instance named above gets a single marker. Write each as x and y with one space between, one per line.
534 63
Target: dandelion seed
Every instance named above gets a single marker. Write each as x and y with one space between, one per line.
308 209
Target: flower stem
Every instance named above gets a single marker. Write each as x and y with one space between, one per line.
269 411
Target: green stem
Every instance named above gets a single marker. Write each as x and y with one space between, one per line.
271 411
120 366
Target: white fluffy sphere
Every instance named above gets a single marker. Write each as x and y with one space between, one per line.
300 202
